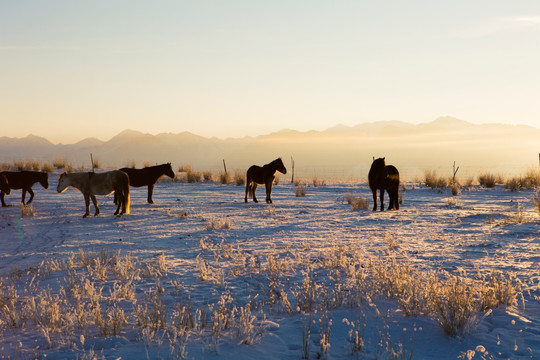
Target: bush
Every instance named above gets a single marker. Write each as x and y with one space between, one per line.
300 190
239 178
47 167
433 181
357 202
487 180
224 178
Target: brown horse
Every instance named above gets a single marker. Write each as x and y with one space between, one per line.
384 177
24 180
147 176
263 175
92 184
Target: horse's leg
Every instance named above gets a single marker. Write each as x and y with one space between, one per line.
396 199
115 198
248 186
382 199
374 192
31 192
150 191
268 188
23 195
87 205
2 194
121 202
253 190
94 200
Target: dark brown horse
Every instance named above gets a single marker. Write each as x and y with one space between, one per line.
384 177
24 180
147 176
263 175
4 187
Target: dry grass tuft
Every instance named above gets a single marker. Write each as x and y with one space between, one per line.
300 190
239 178
433 181
357 202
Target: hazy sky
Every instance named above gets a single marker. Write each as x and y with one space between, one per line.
76 69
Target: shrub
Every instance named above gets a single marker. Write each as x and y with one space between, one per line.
433 181
47 167
193 176
224 178
60 162
300 190
239 178
208 176
487 180
357 202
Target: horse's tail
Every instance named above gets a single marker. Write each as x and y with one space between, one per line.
125 192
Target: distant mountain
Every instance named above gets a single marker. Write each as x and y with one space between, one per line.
340 151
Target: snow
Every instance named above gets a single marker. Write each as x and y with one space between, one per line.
433 230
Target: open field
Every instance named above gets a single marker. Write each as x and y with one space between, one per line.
201 274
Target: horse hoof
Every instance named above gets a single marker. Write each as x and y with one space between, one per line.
85 215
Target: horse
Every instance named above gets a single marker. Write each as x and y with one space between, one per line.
384 177
147 176
4 186
92 184
24 180
263 175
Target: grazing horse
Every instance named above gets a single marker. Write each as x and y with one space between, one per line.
384 177
92 184
24 180
147 176
263 175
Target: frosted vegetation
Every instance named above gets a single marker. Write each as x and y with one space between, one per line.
315 275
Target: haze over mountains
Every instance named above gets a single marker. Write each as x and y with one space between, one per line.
338 152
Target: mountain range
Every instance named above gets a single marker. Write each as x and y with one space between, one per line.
338 152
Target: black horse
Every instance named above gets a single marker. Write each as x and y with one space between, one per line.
24 180
147 176
263 175
384 177
4 186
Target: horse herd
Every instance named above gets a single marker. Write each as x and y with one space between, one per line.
381 177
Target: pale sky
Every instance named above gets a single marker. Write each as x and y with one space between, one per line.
76 69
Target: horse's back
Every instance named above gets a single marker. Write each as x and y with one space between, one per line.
393 175
255 174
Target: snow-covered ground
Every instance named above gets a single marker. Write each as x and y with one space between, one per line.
481 229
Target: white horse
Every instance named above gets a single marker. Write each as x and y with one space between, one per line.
92 184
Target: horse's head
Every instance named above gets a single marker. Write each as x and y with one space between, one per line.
378 167
44 180
169 171
4 186
280 166
63 183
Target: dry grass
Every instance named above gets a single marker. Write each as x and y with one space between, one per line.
224 178
357 202
531 180
239 178
300 190
214 223
432 180
100 295
47 167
